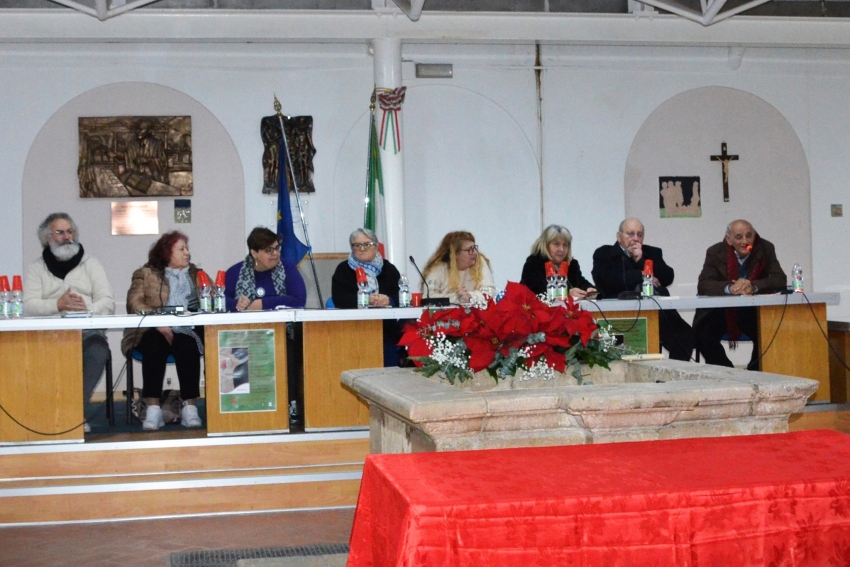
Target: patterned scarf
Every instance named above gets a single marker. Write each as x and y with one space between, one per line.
732 271
247 283
182 292
372 269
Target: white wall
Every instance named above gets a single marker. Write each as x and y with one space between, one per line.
470 143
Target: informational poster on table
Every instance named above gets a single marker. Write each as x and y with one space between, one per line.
246 371
630 332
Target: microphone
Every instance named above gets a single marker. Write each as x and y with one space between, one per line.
426 301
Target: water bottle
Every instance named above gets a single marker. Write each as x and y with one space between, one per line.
797 278
219 304
647 288
363 291
205 292
551 289
5 297
16 301
561 287
403 292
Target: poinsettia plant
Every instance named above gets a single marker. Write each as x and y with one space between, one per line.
519 331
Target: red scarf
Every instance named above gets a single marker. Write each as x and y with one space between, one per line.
732 264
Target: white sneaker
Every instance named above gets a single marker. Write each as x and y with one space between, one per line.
189 416
153 419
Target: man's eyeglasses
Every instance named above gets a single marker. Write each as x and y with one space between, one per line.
633 234
470 250
271 250
362 245
60 233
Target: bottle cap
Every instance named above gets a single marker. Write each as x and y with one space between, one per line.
203 279
647 268
361 275
219 279
4 283
17 285
550 269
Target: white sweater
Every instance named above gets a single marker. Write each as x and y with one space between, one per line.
438 284
42 289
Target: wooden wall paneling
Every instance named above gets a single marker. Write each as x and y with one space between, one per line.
799 348
237 422
331 347
41 384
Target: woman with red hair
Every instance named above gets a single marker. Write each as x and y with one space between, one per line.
168 278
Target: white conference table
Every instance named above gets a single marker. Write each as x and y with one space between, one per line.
41 358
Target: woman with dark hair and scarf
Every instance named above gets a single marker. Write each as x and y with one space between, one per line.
262 281
168 278
382 279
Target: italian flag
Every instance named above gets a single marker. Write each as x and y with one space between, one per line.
374 214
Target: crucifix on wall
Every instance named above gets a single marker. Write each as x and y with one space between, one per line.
724 159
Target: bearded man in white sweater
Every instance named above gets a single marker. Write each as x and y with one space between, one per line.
65 278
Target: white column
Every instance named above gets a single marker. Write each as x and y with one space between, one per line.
387 69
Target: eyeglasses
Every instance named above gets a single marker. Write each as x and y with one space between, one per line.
470 250
69 232
272 250
362 245
633 234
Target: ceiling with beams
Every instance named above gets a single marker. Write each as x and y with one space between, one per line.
703 12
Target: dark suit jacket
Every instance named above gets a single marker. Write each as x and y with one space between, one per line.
714 277
534 275
614 271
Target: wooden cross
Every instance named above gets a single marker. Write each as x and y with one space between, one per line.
725 158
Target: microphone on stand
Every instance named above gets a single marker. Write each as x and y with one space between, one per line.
426 301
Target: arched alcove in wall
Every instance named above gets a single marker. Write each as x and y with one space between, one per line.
768 183
450 169
217 230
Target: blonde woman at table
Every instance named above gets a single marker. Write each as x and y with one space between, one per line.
458 270
168 278
554 245
382 279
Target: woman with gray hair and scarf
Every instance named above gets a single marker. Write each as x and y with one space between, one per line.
382 279
168 278
262 280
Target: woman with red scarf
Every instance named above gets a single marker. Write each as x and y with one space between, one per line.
742 264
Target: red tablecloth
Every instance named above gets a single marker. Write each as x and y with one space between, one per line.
768 500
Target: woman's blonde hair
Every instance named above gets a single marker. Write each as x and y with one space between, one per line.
447 254
550 234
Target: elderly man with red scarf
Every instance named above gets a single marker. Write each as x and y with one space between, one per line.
742 264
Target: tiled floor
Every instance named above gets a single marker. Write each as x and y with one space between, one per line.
149 543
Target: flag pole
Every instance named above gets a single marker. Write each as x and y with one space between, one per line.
277 108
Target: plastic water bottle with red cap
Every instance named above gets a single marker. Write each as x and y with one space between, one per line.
551 284
219 304
205 292
5 296
16 300
647 288
362 288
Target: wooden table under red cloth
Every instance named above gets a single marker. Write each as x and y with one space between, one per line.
767 500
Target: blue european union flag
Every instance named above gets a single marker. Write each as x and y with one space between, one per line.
292 250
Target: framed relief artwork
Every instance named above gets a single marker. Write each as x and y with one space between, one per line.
135 156
679 197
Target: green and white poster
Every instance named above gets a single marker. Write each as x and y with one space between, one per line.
246 371
630 332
